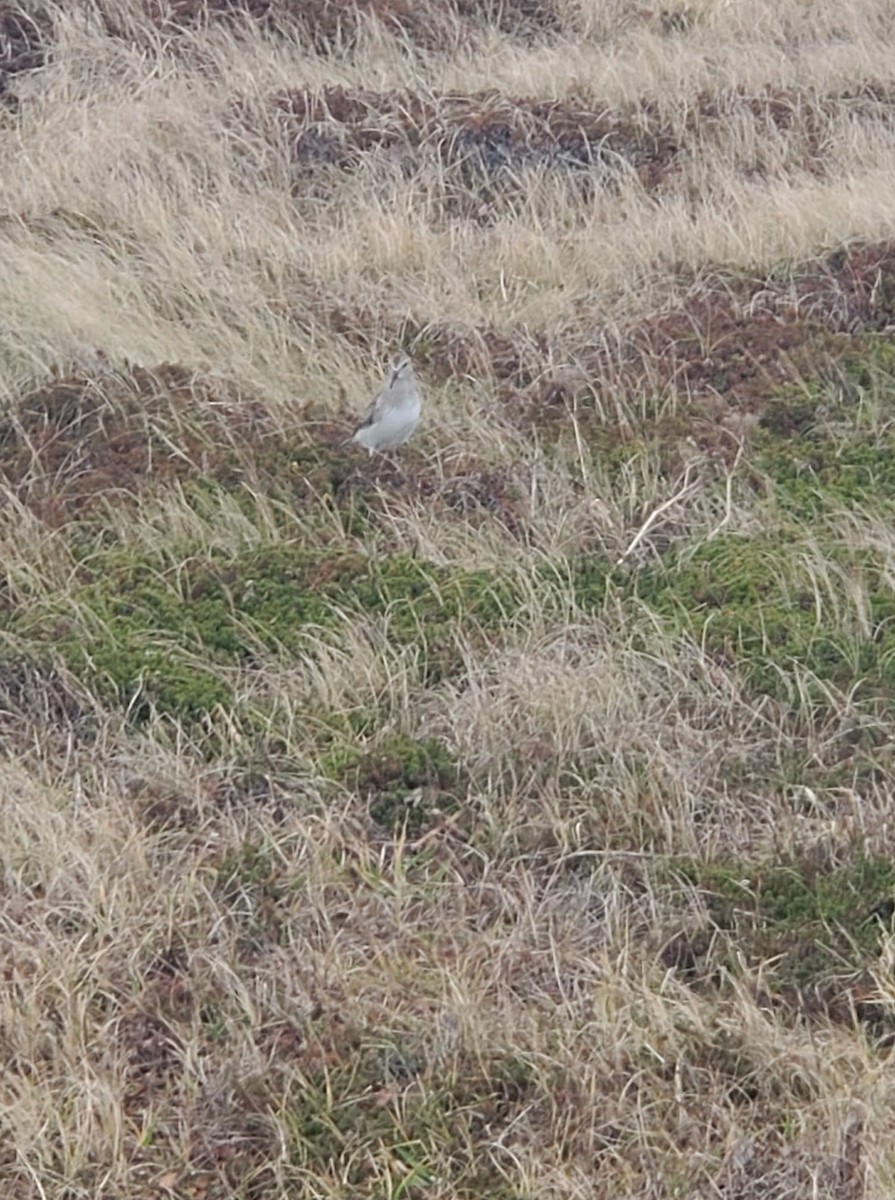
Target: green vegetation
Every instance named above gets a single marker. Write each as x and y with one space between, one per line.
776 606
409 780
151 637
805 922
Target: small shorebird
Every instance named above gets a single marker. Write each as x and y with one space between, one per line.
393 415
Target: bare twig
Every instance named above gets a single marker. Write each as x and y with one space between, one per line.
686 488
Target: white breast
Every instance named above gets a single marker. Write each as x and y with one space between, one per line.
394 426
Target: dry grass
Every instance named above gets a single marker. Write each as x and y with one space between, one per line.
512 818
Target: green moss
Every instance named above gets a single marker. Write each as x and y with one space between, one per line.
824 473
341 1123
250 884
251 867
794 609
811 921
829 443
593 580
146 636
279 592
408 781
764 603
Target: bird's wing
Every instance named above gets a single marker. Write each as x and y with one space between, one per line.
371 414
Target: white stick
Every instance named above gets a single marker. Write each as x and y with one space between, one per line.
654 516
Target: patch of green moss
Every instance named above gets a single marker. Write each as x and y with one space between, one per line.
408 781
761 602
830 443
143 644
869 362
250 883
825 473
776 604
811 921
593 579
312 477
280 591
148 636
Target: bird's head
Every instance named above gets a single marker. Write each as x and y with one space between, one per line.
401 369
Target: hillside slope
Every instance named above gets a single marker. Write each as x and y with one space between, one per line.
510 815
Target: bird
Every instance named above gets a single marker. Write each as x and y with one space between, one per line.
392 417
